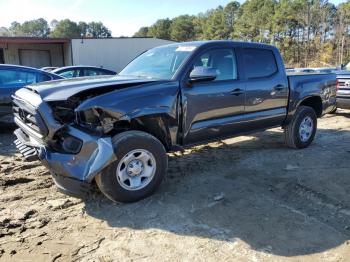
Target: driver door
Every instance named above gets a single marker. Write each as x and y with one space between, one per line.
213 109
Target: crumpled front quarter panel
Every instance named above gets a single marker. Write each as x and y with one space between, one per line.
125 104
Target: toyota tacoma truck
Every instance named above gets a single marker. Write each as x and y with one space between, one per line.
116 131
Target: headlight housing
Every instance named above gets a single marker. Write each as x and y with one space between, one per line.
66 143
95 120
71 144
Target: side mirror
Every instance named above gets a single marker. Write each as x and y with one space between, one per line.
202 74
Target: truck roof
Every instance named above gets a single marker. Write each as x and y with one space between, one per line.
222 42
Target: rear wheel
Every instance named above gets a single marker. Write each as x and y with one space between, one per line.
139 169
302 129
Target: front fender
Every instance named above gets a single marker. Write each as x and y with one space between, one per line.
133 102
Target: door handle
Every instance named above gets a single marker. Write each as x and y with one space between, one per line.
237 92
279 88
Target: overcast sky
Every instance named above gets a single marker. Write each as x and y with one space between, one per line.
123 17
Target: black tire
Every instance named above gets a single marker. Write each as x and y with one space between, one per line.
123 144
291 131
334 111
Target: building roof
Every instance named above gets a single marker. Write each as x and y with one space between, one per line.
41 40
32 40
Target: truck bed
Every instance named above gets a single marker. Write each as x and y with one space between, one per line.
301 83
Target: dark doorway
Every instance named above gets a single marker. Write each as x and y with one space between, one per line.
2 58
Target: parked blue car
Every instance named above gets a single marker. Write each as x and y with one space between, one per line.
12 78
81 71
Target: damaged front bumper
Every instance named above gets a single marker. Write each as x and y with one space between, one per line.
72 173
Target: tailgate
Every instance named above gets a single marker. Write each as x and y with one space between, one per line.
343 87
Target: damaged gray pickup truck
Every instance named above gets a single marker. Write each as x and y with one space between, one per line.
116 131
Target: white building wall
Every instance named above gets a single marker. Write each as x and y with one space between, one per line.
111 53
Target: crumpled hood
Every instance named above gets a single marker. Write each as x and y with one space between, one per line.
60 90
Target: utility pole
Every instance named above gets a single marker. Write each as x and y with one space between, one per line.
309 3
342 48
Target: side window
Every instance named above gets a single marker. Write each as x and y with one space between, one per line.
67 74
16 78
8 78
222 60
31 78
259 62
43 78
90 72
79 73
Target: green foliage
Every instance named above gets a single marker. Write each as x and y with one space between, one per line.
231 13
143 32
255 20
308 32
215 25
69 29
16 29
95 30
33 28
182 28
160 29
61 29
83 28
66 29
36 28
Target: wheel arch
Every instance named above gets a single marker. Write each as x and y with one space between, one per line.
161 126
315 102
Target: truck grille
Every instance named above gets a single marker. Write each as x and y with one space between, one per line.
30 153
344 84
29 116
343 88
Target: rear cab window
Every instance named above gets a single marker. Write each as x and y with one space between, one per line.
259 63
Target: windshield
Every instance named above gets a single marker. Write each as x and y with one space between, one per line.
160 62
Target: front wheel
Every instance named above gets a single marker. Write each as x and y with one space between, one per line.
300 132
139 169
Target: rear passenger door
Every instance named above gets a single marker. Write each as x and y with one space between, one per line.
266 88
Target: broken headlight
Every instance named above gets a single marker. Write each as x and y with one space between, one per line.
71 144
63 111
95 120
66 143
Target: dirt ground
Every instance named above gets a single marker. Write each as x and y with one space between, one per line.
243 199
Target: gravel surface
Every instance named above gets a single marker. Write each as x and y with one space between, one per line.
242 199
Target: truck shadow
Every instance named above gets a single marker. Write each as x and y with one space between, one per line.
7 138
344 113
249 190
